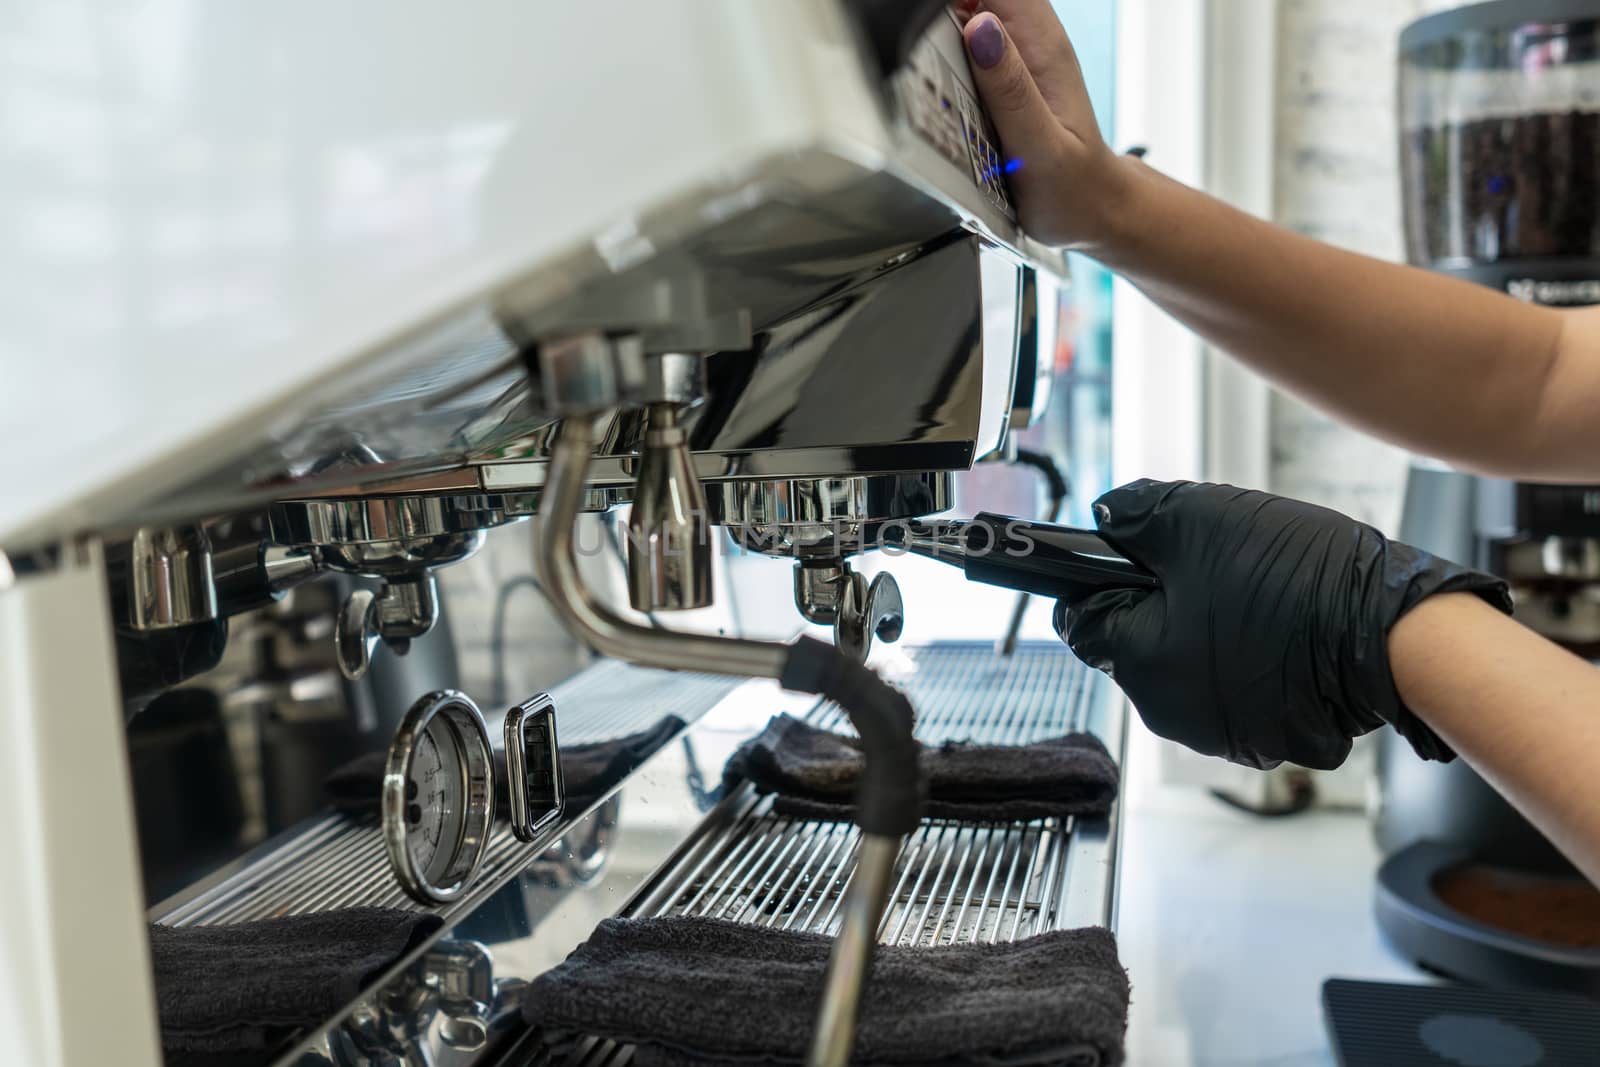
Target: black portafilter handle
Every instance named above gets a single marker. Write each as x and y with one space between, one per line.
1030 557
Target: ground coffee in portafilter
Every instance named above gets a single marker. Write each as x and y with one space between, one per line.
1504 188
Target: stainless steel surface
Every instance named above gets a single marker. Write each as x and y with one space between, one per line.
533 767
830 593
819 587
402 610
584 374
284 568
868 610
411 530
449 727
354 635
406 609
669 541
170 580
824 392
676 378
400 539
851 958
824 518
596 625
1036 348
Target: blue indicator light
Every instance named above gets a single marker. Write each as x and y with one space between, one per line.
1497 185
1013 165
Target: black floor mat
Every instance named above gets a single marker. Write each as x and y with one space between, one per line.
1383 1024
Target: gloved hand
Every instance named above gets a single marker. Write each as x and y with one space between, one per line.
1268 639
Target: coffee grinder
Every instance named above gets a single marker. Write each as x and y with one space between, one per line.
1500 143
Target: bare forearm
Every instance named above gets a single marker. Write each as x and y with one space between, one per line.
1523 712
1440 366
1443 367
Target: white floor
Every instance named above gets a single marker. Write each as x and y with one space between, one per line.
1229 924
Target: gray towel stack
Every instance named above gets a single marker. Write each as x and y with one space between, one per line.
691 991
814 773
234 993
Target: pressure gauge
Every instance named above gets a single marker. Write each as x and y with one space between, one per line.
438 796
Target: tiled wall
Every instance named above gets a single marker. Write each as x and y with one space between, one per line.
1337 180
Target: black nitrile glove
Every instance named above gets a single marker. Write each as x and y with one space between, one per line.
1268 639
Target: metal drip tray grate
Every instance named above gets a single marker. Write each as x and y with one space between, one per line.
340 862
956 882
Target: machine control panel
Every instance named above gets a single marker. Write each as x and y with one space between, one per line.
940 103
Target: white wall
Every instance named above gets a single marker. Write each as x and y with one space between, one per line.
1336 178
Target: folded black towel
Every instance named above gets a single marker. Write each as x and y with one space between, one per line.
702 991
234 993
815 772
588 771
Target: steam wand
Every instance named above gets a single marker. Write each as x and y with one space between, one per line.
889 802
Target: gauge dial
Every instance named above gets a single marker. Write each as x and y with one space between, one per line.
438 791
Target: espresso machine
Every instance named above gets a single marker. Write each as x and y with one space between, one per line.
1500 109
422 384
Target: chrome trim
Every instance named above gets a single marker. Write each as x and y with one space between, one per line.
807 504
868 610
170 581
614 473
669 542
587 373
476 767
829 592
1036 347
533 762
355 638
386 520
404 609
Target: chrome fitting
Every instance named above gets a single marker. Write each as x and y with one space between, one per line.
669 540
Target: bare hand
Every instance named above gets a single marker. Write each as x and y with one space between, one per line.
1062 174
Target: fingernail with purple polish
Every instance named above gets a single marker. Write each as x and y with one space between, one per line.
987 41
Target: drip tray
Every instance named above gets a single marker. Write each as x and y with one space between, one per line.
956 882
